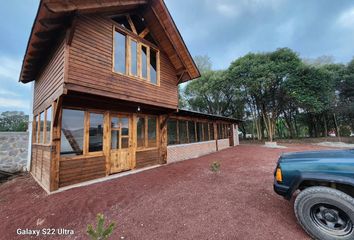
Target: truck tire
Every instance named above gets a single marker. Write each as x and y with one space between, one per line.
325 213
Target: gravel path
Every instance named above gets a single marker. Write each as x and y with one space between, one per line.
178 201
336 144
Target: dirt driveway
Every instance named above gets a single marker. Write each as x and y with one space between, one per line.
178 201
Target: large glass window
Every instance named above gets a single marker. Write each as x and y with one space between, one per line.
35 129
96 132
48 134
152 125
140 132
142 59
144 70
119 52
199 132
182 128
211 128
41 128
172 132
191 132
134 58
153 66
72 133
205 132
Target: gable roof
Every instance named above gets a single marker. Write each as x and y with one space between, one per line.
54 17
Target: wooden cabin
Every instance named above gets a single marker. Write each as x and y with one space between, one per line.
106 75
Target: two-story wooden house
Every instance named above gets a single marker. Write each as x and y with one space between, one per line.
106 75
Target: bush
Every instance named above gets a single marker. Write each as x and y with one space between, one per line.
344 131
215 167
101 232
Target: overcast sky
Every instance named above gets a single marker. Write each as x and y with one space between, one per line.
222 29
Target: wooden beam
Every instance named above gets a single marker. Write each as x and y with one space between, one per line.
132 26
57 111
72 31
65 6
144 33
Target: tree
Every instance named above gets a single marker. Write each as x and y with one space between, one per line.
13 121
263 77
213 94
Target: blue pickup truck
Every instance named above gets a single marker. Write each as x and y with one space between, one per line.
322 183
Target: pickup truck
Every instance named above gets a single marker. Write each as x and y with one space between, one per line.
322 183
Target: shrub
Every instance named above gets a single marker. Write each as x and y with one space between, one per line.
101 232
215 166
344 131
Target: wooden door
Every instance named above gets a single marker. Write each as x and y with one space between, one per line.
121 146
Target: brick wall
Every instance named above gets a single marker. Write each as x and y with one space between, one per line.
223 143
186 151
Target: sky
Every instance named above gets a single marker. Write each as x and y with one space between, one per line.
222 29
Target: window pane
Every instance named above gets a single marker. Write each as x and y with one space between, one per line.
191 132
172 131
125 142
115 139
153 66
72 137
134 58
211 126
34 131
219 126
125 126
182 128
115 122
140 132
41 132
96 132
49 125
144 61
199 132
206 132
119 52
152 122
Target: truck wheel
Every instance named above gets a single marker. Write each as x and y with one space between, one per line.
325 213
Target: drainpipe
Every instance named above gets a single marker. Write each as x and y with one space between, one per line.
30 127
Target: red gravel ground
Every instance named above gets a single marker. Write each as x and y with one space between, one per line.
178 201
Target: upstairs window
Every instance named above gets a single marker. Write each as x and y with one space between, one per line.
135 53
119 53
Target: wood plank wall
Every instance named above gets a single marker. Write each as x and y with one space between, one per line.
40 164
90 68
147 158
80 170
49 84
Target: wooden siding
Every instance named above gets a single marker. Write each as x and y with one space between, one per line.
90 68
147 158
40 164
81 169
49 85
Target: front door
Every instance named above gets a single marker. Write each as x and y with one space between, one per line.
121 153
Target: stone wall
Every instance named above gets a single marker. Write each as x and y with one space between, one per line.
13 151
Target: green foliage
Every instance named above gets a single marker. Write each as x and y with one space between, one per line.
13 121
277 94
101 232
215 167
344 131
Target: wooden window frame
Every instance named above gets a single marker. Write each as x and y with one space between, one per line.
40 139
146 132
85 145
130 36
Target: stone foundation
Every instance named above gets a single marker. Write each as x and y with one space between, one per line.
13 151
